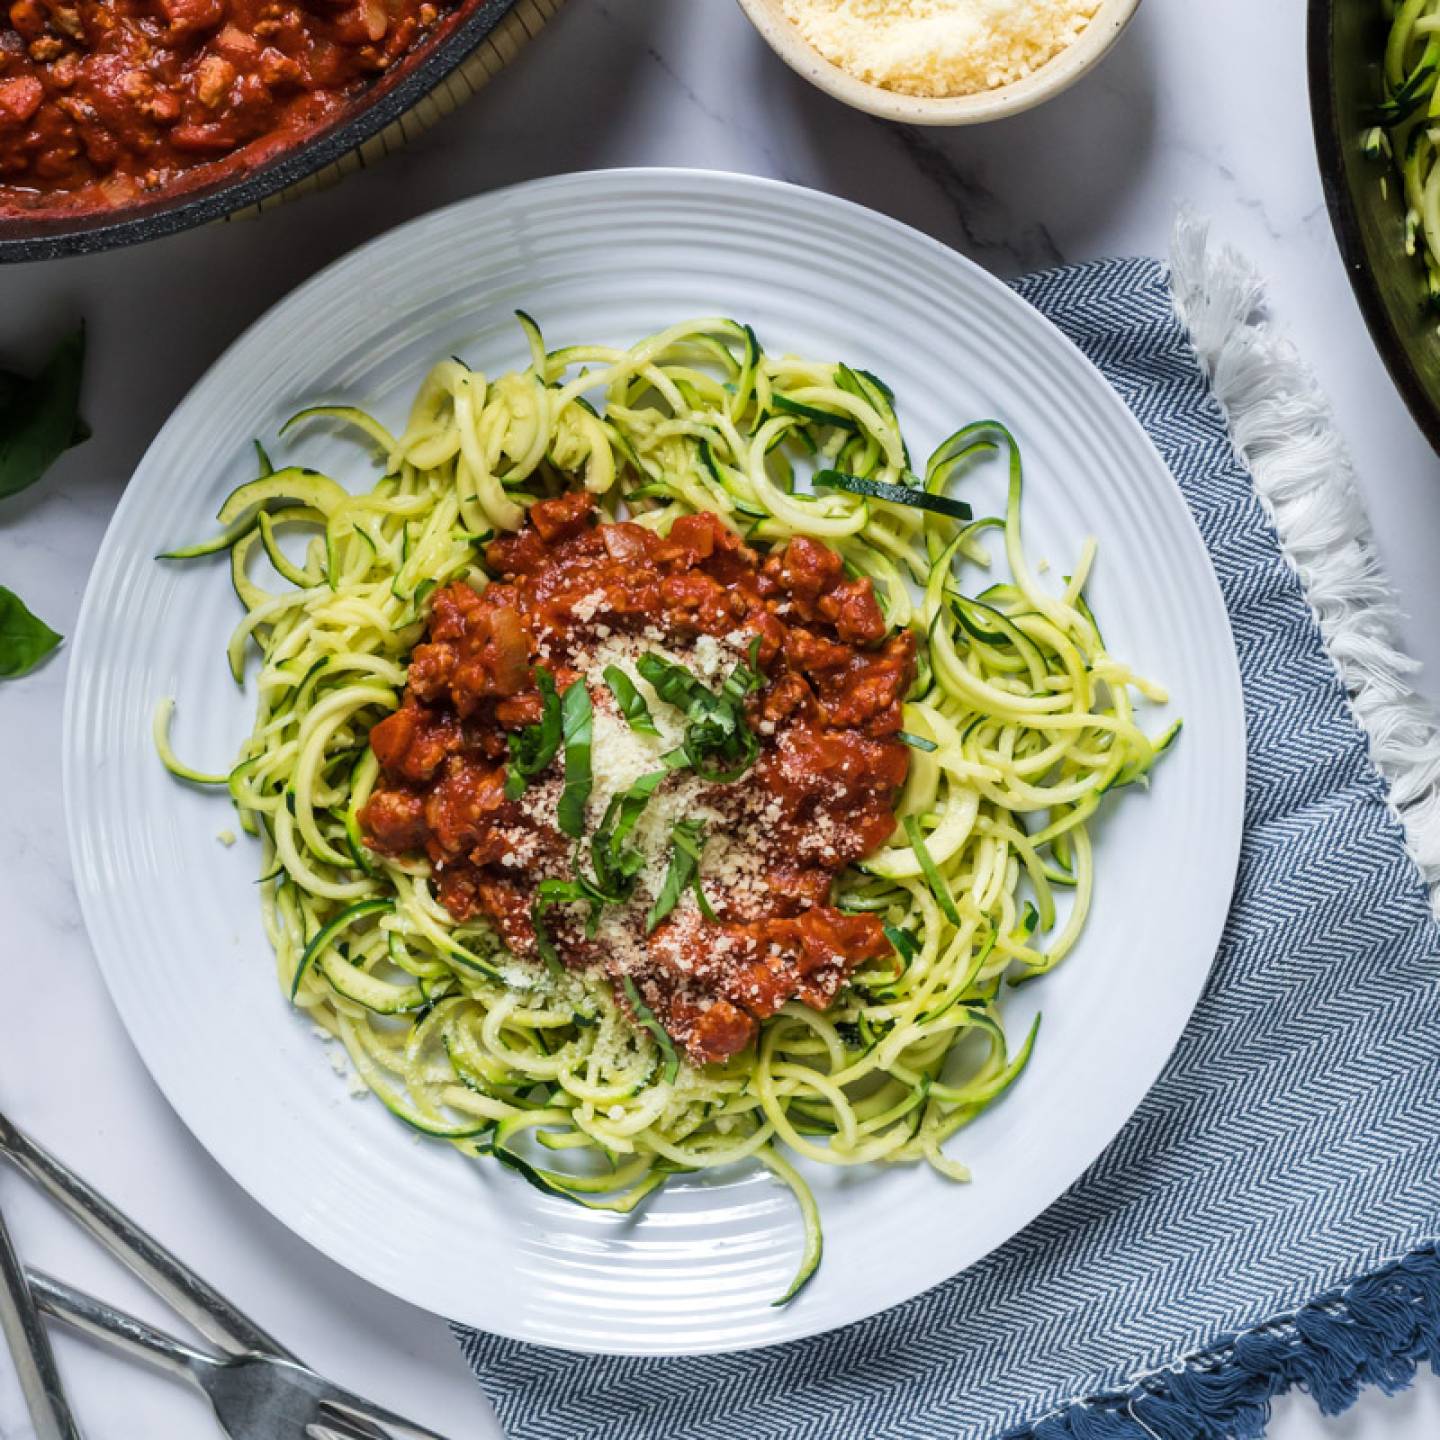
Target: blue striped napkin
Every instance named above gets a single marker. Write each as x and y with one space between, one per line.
1269 1215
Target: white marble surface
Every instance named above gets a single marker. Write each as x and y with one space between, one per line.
1204 104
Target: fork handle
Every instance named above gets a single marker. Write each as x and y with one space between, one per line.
193 1298
112 1327
30 1346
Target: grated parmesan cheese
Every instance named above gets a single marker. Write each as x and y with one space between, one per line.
940 47
740 819
620 756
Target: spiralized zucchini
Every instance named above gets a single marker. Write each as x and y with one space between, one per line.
1020 723
1407 128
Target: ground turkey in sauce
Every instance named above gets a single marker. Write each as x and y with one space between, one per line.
104 103
820 796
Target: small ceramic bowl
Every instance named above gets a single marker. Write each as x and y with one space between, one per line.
1057 74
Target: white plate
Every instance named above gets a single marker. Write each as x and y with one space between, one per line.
173 914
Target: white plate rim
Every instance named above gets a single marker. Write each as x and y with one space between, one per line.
1138 1084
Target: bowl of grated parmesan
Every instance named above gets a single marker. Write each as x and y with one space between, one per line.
940 62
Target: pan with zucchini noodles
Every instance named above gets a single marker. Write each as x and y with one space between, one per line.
650 771
1405 133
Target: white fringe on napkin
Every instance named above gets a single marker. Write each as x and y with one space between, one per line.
1283 430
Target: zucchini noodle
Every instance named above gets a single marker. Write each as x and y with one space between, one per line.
1407 129
1019 723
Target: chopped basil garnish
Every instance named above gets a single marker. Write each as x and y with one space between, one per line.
25 640
673 683
706 908
533 748
547 894
915 742
646 1016
745 679
630 700
933 878
616 864
719 746
687 840
577 721
689 836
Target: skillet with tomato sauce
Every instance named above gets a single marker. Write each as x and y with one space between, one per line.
108 103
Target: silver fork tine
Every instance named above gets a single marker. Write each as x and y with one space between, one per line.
190 1296
348 1405
336 1428
261 1378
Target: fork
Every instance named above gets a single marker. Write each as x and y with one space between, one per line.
29 1344
256 1381
254 1396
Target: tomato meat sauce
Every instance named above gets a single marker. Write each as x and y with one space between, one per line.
819 796
105 103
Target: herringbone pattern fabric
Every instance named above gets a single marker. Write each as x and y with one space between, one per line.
1292 1143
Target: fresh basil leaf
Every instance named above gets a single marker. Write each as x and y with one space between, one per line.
706 908
689 835
39 418
933 878
577 732
631 805
742 753
673 683
615 863
646 1016
677 881
745 679
687 841
533 748
719 746
712 727
630 700
550 893
25 640
614 867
